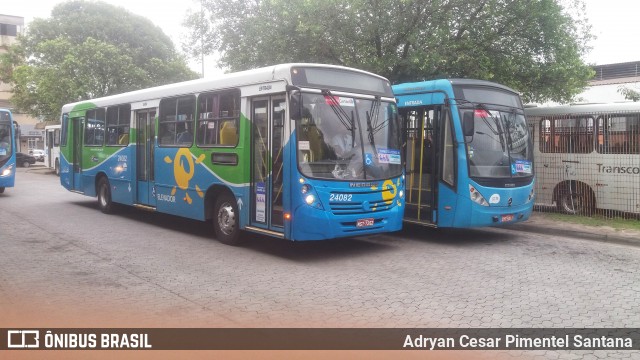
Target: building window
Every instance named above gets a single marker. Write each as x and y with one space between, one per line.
8 30
32 143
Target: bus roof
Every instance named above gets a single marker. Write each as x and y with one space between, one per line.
241 78
582 109
429 85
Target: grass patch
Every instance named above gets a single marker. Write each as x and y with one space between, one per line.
596 220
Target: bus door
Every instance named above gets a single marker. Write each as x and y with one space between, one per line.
145 177
267 174
77 124
48 147
420 168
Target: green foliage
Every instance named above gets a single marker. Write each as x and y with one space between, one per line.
629 93
534 46
87 50
621 222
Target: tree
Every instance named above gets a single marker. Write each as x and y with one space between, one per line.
87 50
629 93
534 46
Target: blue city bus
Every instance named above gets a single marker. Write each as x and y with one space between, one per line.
467 152
7 150
295 151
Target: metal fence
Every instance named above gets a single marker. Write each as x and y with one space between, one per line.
587 159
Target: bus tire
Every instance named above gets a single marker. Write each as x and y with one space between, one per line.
226 220
1 189
575 199
104 196
57 167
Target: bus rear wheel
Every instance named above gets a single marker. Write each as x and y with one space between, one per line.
225 220
104 196
576 200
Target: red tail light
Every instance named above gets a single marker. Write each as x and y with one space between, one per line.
481 113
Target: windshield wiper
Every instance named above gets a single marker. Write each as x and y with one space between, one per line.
342 115
496 120
372 121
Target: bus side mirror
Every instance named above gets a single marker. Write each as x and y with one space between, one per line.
295 103
468 126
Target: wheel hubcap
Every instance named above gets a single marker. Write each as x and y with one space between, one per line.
226 219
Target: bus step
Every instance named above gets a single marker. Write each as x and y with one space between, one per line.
265 231
144 207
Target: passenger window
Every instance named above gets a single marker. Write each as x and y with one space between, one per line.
218 118
175 126
94 128
118 118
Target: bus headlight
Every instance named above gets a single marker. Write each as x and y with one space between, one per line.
309 195
401 194
7 171
532 194
310 199
477 197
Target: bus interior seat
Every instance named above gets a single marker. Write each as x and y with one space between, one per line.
228 133
123 139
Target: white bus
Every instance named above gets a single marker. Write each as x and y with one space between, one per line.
52 147
587 157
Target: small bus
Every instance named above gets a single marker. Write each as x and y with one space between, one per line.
7 150
588 157
467 153
52 147
295 151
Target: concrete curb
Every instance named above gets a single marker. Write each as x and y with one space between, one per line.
585 232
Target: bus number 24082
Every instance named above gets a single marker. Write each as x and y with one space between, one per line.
340 197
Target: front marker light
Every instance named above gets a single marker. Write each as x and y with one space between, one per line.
7 171
477 197
400 194
309 199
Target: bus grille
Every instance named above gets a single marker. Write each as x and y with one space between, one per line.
361 207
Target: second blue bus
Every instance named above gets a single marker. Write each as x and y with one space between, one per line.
468 154
7 150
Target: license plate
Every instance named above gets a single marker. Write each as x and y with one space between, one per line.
507 218
364 222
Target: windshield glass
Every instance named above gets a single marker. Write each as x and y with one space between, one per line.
5 136
501 146
348 138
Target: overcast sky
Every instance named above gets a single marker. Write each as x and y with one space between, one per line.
614 23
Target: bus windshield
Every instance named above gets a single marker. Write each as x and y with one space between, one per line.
348 138
500 146
6 139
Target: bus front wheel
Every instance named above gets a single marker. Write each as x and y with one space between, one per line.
225 220
104 196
